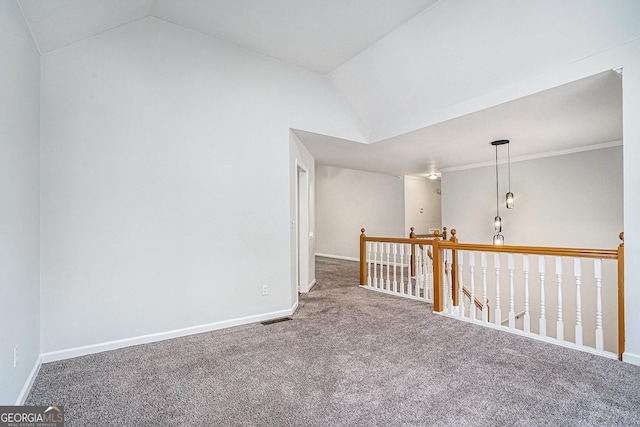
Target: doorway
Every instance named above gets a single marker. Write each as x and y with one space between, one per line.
302 229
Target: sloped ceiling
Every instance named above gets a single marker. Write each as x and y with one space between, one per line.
584 114
398 61
57 23
463 49
319 35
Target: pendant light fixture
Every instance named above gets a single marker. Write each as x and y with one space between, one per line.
509 194
498 239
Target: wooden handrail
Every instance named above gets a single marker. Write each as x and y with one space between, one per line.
477 302
428 235
533 250
397 240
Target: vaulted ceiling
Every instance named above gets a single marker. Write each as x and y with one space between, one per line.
399 61
319 35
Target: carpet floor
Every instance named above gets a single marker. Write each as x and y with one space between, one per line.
348 357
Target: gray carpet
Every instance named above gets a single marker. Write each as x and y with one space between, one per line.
349 357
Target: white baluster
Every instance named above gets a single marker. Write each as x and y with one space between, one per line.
419 272
485 310
512 304
375 264
527 317
423 271
543 320
427 273
497 318
388 266
449 284
597 264
577 273
416 270
472 286
395 277
369 244
402 268
460 284
381 284
445 280
559 323
420 279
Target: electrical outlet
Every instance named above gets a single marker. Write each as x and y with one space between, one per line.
265 290
15 356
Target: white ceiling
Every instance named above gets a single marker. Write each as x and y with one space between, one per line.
319 35
386 57
57 23
572 117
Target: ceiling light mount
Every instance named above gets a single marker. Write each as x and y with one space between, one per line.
433 176
500 142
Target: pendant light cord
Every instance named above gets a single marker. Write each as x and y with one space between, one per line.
497 189
509 163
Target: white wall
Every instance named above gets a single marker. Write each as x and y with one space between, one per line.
422 204
166 182
573 200
348 200
19 216
631 132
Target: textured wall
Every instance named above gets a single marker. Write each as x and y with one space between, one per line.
19 192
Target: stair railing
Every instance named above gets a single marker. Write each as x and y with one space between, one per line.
447 273
565 300
399 266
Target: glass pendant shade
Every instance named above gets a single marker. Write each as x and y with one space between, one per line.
509 200
498 240
497 223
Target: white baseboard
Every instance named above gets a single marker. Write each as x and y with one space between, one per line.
348 258
634 359
161 336
311 285
29 383
550 340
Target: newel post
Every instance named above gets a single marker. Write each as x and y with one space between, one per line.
437 273
412 235
454 268
363 258
621 297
